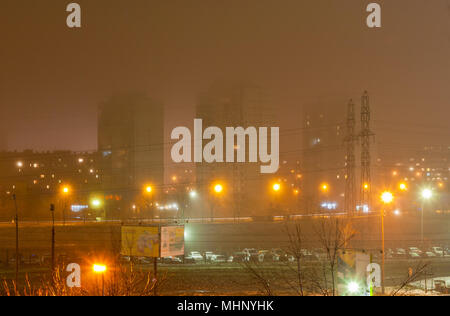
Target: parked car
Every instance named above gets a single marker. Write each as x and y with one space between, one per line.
189 260
219 259
438 251
308 255
208 255
282 256
415 249
196 256
429 254
240 257
252 253
414 255
400 253
172 260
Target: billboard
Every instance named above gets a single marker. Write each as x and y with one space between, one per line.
140 241
172 241
352 267
152 241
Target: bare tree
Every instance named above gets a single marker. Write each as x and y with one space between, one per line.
295 249
333 234
413 276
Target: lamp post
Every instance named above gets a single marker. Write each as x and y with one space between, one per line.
97 204
148 191
276 188
386 198
65 192
100 269
52 210
16 221
218 190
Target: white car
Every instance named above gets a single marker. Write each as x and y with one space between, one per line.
196 256
430 254
209 255
414 255
438 251
218 259
415 249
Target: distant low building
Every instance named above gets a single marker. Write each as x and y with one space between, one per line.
37 180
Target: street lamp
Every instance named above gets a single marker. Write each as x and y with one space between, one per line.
97 203
100 269
403 187
276 187
427 194
193 194
148 195
218 190
387 198
65 192
353 287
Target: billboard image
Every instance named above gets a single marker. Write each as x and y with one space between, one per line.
140 241
172 241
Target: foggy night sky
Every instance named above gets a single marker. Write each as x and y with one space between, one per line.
52 78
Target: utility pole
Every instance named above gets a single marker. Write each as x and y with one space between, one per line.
365 135
383 214
52 209
155 263
16 220
350 138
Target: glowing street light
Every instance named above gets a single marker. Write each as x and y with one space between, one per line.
148 189
218 188
403 187
100 269
276 187
19 164
427 194
193 194
366 186
96 203
65 191
324 187
387 197
353 287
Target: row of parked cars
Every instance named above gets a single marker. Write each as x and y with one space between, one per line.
247 254
416 253
280 255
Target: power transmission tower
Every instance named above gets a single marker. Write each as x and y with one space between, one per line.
350 138
365 135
